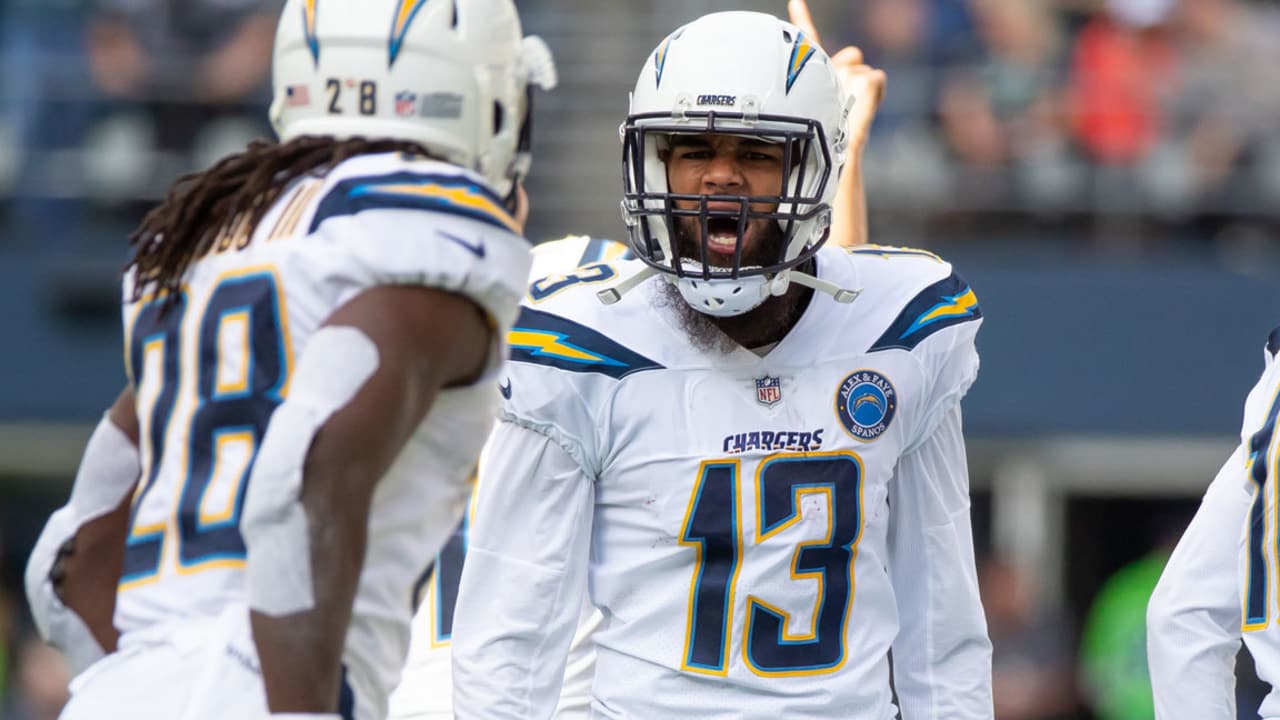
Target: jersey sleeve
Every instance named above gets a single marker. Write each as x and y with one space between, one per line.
1193 616
524 581
420 223
942 655
562 375
939 326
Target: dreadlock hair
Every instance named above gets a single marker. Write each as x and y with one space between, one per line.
235 193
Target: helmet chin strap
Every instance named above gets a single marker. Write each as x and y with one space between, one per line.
775 286
611 295
839 294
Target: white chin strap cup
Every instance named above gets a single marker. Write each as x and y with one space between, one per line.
724 298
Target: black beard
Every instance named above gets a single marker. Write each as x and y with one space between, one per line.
756 328
700 327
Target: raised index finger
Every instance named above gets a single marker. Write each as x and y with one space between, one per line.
798 10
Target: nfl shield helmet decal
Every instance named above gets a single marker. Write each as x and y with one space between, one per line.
866 403
768 391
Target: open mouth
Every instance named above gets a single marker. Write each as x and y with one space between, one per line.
722 235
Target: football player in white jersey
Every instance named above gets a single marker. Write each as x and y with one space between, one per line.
425 690
745 447
1220 582
313 331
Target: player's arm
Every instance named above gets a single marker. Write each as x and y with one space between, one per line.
75 566
865 85
362 384
1193 617
524 580
942 656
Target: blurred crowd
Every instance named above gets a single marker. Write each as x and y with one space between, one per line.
1111 111
1137 119
108 101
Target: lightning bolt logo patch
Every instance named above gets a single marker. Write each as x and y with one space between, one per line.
948 302
959 305
543 338
550 344
462 199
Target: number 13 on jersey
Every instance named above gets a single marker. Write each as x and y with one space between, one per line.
772 644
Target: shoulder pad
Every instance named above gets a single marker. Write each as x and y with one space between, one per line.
948 302
545 339
441 192
890 251
571 252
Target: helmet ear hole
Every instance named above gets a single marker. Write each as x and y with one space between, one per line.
499 118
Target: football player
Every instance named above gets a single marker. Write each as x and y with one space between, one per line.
1220 581
313 331
744 447
423 693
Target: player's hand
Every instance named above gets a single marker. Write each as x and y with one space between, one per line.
865 83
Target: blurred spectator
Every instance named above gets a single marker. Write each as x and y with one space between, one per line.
46 114
904 161
1113 654
1002 116
1222 108
186 81
1121 61
41 688
1031 662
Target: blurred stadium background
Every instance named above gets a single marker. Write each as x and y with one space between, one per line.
1106 173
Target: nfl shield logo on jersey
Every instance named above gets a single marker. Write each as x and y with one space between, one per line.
768 391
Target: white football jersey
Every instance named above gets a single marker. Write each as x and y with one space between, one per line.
1217 584
751 527
209 373
425 691
1259 580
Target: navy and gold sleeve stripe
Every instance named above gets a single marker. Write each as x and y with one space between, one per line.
545 339
943 304
450 194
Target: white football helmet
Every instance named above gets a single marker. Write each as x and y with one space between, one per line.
735 73
451 75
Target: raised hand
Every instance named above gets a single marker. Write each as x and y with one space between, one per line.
863 82
865 85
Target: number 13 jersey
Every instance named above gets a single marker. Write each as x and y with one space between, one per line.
760 530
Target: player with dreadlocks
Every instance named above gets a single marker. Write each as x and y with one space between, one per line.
312 331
